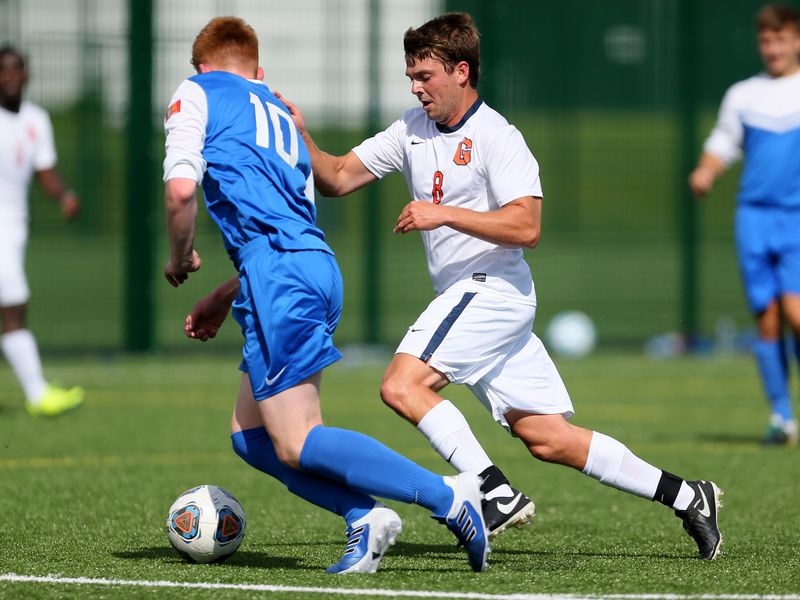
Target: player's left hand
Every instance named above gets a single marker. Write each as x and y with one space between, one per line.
70 205
419 215
176 274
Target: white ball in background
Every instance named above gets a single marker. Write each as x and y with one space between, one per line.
571 333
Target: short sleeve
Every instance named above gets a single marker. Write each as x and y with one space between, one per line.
384 153
511 169
725 141
45 151
185 127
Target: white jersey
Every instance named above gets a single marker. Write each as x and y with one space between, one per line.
480 164
26 146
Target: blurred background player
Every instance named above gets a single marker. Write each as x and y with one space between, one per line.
225 128
26 147
477 202
760 119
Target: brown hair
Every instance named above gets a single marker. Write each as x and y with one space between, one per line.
450 39
777 16
226 41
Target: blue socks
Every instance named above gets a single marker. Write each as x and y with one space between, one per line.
364 464
256 449
771 359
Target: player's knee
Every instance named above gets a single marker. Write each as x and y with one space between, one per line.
394 394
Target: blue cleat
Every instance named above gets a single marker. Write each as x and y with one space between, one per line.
465 518
368 538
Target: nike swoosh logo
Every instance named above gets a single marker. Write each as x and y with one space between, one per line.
415 330
451 455
507 507
272 380
706 510
415 142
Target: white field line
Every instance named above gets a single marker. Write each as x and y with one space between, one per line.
248 587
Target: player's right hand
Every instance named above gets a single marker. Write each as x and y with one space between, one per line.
70 206
700 182
176 274
297 116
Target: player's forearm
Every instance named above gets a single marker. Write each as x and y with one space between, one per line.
52 184
712 164
708 169
327 169
513 225
227 291
180 204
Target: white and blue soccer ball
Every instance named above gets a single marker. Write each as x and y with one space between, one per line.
206 524
571 333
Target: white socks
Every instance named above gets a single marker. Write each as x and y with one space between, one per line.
21 352
448 432
614 465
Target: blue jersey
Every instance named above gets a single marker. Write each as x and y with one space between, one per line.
760 117
255 167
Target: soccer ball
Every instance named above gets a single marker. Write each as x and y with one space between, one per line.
205 524
571 333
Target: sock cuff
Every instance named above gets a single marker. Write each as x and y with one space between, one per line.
492 477
309 447
668 487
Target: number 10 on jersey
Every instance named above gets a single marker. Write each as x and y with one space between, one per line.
289 154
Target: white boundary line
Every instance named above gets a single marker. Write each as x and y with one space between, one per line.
252 587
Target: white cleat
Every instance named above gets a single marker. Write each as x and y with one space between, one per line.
368 538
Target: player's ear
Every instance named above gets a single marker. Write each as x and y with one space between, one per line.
260 74
462 69
204 68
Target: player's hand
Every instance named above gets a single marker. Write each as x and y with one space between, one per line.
297 116
70 205
419 215
700 182
176 274
206 317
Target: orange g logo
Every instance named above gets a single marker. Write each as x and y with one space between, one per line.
463 152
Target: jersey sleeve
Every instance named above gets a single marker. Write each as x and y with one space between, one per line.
725 141
384 153
45 152
185 128
511 169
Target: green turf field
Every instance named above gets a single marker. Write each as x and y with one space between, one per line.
85 495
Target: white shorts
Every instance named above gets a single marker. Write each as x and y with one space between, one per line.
13 284
487 344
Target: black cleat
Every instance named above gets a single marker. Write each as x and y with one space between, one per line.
700 518
780 433
503 512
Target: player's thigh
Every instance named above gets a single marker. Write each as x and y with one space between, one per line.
289 416
788 266
526 381
757 264
791 309
288 307
464 335
14 289
245 414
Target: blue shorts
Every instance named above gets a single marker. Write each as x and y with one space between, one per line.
288 306
768 247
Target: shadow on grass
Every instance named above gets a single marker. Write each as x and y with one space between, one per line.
730 438
242 558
